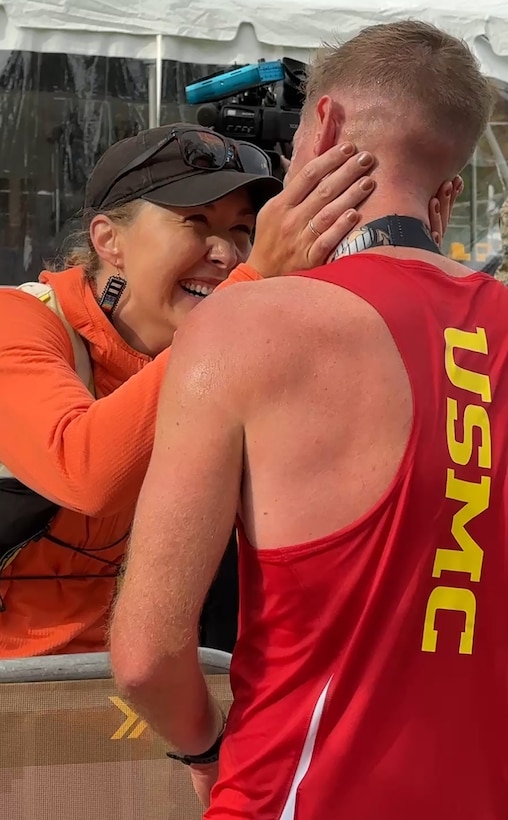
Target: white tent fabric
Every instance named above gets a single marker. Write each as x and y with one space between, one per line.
225 31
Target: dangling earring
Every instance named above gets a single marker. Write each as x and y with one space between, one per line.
111 294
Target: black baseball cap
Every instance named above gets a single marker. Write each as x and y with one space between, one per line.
165 178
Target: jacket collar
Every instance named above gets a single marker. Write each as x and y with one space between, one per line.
106 347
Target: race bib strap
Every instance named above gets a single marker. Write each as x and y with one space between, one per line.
397 231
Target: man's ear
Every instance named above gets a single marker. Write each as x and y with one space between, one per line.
330 124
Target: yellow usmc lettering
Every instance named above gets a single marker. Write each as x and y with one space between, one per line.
474 496
457 600
460 377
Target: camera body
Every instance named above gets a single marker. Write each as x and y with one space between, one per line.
257 103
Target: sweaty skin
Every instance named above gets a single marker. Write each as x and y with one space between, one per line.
211 417
291 399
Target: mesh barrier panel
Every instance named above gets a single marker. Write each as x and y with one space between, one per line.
75 751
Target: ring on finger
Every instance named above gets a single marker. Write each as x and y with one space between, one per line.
313 228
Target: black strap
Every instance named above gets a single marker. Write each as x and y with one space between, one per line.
394 231
210 756
24 515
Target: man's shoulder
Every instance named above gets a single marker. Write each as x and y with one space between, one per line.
270 305
237 318
234 344
276 322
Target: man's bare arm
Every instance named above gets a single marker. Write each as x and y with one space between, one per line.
183 521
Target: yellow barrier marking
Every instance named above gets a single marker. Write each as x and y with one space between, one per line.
129 723
138 730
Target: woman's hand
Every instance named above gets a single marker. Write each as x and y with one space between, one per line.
440 207
300 227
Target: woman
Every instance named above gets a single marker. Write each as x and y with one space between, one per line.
169 215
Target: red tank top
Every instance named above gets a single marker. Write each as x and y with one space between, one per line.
371 672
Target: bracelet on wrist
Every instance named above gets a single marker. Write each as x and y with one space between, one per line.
210 756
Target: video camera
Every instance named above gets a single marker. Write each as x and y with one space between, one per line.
259 103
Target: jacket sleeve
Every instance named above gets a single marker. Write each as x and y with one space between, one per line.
242 273
84 454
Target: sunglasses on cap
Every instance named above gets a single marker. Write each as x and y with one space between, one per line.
204 151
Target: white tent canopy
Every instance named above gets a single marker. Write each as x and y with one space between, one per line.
227 31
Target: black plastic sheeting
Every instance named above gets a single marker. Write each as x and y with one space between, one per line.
58 114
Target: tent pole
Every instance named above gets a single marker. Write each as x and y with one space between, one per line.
474 200
155 85
152 95
158 79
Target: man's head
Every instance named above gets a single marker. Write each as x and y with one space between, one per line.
408 92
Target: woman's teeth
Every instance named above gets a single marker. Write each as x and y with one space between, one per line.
196 289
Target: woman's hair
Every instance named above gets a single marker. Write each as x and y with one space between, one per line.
78 250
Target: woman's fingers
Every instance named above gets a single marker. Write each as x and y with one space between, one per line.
436 225
337 219
352 193
440 207
444 197
313 214
325 245
314 173
344 188
458 187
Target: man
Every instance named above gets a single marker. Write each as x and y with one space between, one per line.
356 418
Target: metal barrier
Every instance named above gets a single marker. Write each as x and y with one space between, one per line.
72 749
89 666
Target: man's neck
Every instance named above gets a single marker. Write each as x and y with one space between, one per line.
377 209
403 203
385 202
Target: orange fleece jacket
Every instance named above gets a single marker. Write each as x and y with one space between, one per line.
90 456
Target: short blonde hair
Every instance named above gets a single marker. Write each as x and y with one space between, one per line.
415 64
